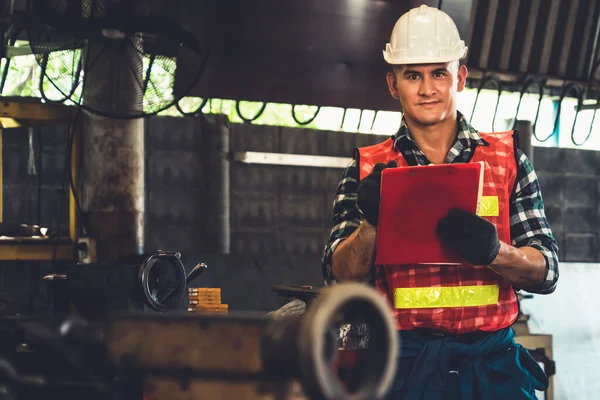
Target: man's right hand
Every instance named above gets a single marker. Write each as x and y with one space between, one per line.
368 192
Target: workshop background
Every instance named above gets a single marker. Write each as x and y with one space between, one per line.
208 193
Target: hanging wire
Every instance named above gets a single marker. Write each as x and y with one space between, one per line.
74 124
6 66
148 73
527 83
4 74
343 119
360 116
249 120
308 121
373 122
591 82
10 41
498 84
570 87
197 111
591 124
40 142
74 84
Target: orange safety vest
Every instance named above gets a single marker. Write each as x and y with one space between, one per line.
454 298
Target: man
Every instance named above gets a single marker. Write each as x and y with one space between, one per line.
450 350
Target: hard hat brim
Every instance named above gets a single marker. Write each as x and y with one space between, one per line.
398 60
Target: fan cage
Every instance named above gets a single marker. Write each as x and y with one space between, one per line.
135 72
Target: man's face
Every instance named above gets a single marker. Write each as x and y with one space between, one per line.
427 92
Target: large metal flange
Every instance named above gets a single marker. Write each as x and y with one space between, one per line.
335 306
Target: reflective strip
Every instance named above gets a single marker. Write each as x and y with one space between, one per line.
446 296
489 206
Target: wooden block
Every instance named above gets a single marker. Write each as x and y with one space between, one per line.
203 296
209 300
209 306
205 290
196 310
213 306
196 302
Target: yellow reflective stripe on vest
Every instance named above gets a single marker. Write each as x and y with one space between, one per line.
446 296
489 207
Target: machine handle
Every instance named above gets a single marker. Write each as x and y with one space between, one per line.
194 273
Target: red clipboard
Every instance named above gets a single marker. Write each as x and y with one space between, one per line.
413 200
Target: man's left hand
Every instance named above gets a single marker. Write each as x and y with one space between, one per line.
472 237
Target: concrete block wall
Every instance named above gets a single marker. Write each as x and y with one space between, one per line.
569 180
285 209
20 188
21 199
280 216
175 183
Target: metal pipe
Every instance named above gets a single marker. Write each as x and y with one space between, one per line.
112 174
218 230
525 131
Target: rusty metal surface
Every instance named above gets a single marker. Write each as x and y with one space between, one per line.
113 153
204 344
161 388
112 184
246 350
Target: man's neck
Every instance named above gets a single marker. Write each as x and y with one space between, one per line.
436 140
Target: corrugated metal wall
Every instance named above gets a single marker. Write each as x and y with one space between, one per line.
555 38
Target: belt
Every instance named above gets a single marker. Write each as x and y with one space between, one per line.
467 338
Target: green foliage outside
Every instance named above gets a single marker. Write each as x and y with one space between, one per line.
23 80
24 77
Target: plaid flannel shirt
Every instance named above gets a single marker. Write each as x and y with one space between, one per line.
529 226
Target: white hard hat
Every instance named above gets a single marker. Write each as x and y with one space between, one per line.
424 35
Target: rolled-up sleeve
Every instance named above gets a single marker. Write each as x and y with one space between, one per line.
345 219
529 225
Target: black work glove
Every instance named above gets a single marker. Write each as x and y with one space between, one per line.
472 237
368 192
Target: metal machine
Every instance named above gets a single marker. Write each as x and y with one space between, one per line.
157 283
159 356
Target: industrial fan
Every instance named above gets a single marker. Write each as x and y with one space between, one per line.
122 56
